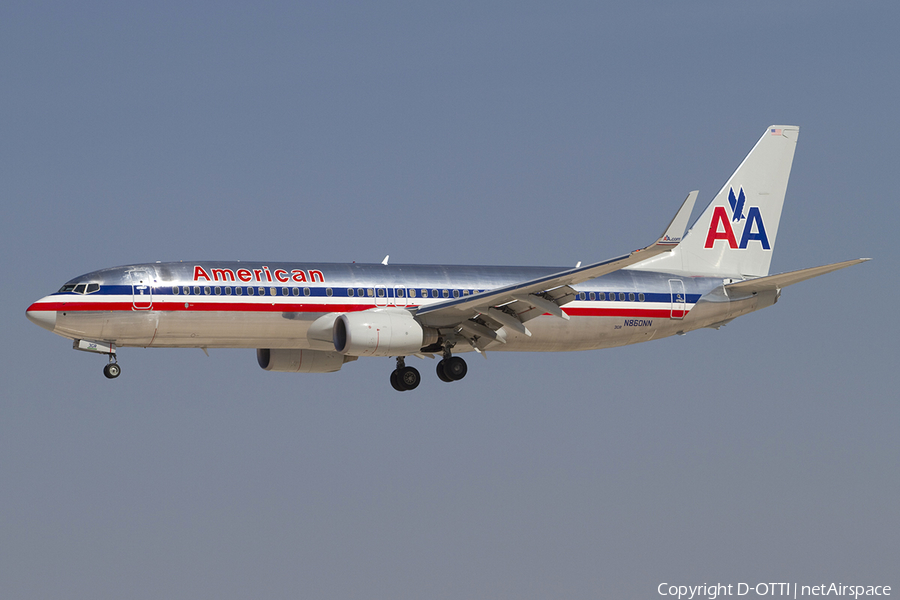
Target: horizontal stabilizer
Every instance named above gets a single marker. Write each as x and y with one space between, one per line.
782 280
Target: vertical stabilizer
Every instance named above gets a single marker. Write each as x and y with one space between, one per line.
735 235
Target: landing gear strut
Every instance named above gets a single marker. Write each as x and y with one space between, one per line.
451 368
404 378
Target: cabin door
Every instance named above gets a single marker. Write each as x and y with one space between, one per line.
676 289
141 290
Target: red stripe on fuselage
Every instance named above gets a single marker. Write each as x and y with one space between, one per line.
660 313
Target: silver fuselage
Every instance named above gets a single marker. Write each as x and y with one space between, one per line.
271 305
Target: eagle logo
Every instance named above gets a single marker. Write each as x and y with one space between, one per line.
737 205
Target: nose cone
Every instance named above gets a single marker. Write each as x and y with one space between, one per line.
40 317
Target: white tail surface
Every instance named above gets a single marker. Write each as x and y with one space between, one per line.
735 235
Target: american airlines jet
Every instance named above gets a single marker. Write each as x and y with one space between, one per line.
315 317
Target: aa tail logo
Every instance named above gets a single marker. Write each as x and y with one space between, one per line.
720 227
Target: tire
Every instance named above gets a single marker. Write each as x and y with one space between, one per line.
409 378
395 381
112 370
455 368
442 375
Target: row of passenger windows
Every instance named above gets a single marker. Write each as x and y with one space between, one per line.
293 291
380 292
612 296
372 292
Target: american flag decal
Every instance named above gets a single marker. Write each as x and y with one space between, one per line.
776 131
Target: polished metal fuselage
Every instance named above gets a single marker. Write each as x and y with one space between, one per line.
271 305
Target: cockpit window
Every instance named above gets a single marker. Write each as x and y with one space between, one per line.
79 288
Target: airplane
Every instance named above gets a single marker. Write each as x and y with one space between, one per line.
315 317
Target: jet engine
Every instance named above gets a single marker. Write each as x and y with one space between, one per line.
300 361
380 332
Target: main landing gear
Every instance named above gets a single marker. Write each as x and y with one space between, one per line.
451 368
404 378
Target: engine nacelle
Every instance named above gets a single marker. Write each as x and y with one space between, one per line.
380 332
300 361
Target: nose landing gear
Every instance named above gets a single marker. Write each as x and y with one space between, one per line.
112 370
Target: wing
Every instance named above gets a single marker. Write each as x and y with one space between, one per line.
479 318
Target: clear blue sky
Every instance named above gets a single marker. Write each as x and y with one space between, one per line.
473 133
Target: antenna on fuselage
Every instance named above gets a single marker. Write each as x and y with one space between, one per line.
385 261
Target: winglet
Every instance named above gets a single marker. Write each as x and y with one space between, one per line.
675 231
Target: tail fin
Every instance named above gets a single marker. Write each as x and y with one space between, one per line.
735 235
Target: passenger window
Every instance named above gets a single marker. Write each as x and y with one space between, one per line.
456 293
381 292
424 293
187 290
434 293
175 290
593 296
196 290
465 292
329 292
273 291
601 295
262 291
251 291
631 296
350 292
581 296
306 291
370 292
399 293
445 293
238 291
641 296
622 296
412 293
227 290
206 290
295 291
